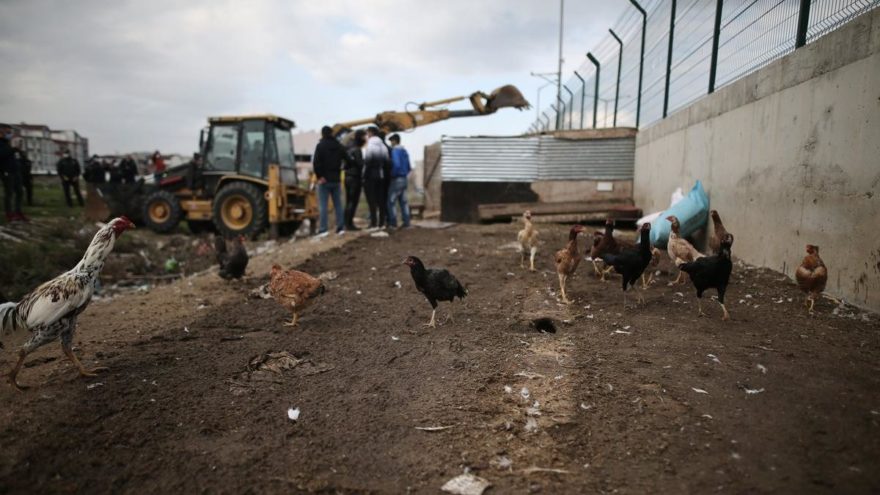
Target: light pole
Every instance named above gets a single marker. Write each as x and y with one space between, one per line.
559 67
545 76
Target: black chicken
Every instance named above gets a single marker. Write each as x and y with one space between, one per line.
712 272
436 285
631 263
232 263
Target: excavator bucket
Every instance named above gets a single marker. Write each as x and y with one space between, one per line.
507 96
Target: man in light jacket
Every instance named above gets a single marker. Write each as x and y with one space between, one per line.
375 160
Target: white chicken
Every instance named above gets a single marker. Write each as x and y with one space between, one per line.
528 241
51 309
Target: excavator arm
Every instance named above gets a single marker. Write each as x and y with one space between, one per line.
481 103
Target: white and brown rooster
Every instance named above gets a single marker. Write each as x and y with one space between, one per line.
50 311
528 241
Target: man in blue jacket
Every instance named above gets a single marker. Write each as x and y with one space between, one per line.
400 169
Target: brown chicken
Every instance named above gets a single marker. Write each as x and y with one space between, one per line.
812 276
652 266
294 290
679 249
528 241
720 232
568 259
603 244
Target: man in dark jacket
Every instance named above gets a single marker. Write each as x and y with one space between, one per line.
69 172
354 171
27 176
94 172
128 170
327 163
10 173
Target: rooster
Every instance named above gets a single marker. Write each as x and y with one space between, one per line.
655 262
631 263
568 259
709 272
527 238
605 243
679 249
720 232
50 311
812 275
232 264
294 290
435 284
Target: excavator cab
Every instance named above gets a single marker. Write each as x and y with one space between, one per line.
248 146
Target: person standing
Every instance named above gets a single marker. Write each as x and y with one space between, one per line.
158 166
27 176
327 163
69 171
354 170
375 162
400 169
115 177
10 173
94 171
128 170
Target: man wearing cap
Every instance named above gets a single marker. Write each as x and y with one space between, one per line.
69 172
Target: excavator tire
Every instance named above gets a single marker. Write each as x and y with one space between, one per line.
240 209
162 211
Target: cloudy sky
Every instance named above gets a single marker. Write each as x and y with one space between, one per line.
141 75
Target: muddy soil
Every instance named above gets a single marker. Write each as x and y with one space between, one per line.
651 399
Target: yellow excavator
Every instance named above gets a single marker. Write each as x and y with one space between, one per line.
426 113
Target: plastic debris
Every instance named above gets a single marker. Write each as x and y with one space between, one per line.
524 393
762 368
508 389
753 391
453 251
328 276
171 265
397 284
535 469
395 338
586 407
699 390
293 414
622 331
531 425
434 428
502 462
380 233
94 385
713 358
708 416
466 484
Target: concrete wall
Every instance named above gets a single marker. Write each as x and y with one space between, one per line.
789 155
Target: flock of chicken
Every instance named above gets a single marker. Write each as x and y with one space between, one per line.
631 260
50 311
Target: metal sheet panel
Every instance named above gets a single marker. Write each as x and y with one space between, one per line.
527 159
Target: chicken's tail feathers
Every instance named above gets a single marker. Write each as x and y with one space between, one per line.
461 292
687 267
10 321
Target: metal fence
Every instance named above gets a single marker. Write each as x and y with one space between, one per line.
662 55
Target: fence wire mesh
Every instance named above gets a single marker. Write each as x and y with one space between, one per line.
753 33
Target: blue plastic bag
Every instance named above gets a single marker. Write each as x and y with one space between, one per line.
692 213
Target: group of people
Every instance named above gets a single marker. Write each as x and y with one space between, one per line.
15 172
370 165
100 171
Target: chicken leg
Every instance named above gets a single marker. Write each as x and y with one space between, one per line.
700 306
83 372
726 314
562 280
433 322
293 321
532 259
12 376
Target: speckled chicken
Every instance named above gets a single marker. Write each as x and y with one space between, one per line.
51 310
294 290
567 260
528 241
679 249
812 276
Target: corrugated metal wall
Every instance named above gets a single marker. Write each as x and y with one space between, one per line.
527 159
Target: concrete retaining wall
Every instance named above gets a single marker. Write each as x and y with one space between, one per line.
789 155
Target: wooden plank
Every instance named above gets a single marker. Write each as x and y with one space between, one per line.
502 210
598 216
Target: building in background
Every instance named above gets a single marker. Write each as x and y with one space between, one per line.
45 146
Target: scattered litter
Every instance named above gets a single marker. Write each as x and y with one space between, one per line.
533 469
622 331
358 292
510 274
713 358
453 251
380 233
501 462
533 411
395 338
434 428
748 296
590 316
586 407
679 294
261 292
529 375
466 484
762 368
626 327
699 390
875 413
373 268
610 388
752 391
735 456
397 284
94 385
328 276
293 414
709 416
508 389
524 393
531 425
186 329
201 307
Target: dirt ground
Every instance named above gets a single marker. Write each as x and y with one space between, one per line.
650 399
